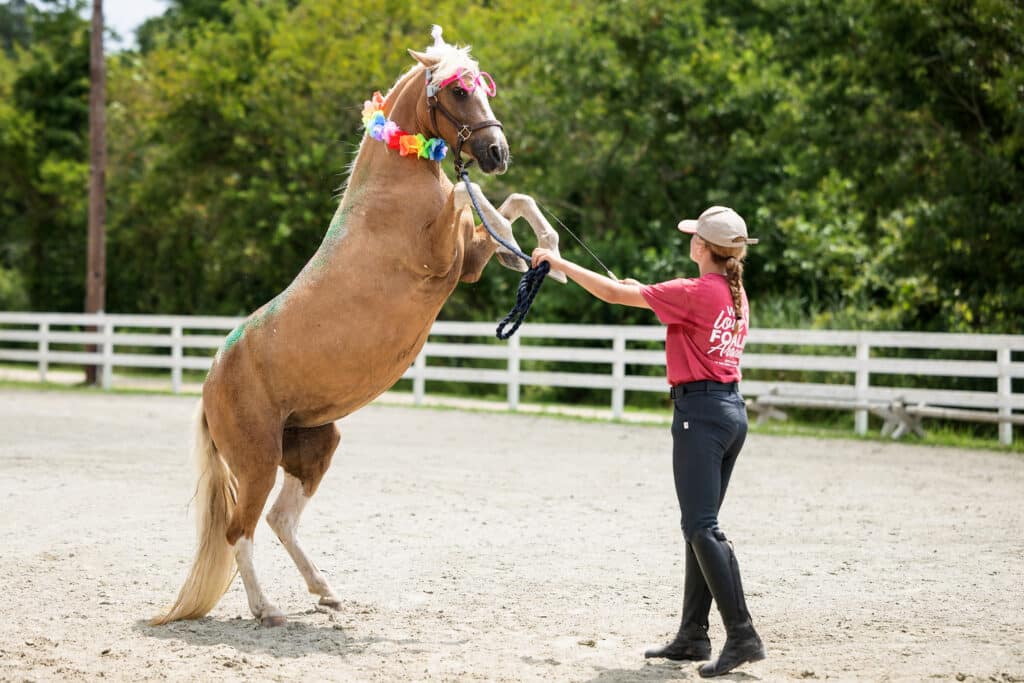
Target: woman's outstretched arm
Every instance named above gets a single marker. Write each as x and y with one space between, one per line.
625 292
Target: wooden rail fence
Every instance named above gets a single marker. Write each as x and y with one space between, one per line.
903 377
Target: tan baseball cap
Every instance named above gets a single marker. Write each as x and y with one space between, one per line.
719 225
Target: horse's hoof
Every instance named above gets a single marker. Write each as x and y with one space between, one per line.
511 261
273 620
332 602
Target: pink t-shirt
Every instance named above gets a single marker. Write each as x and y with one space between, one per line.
699 343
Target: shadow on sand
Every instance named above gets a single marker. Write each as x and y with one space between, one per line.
662 671
299 637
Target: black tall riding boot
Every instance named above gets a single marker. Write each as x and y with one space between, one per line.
692 641
722 573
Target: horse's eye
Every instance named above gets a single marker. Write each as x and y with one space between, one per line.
459 92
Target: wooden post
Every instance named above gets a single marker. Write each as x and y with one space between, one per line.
1005 389
108 352
44 350
861 383
419 382
96 269
513 373
619 376
176 358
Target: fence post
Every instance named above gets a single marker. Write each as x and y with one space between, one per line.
419 382
860 417
176 358
513 373
1005 391
619 375
108 350
44 349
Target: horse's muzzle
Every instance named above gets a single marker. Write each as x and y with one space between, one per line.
491 153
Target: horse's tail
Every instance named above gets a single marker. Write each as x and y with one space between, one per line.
213 568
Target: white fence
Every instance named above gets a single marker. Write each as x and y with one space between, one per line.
849 370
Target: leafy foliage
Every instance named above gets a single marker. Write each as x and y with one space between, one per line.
876 148
43 165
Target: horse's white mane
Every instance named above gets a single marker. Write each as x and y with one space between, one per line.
451 58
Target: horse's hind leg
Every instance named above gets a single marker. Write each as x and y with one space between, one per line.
253 454
307 455
254 485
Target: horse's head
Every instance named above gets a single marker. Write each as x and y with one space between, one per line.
457 89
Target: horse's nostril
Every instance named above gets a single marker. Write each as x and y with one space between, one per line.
497 153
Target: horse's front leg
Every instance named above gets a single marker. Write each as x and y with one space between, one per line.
524 206
481 246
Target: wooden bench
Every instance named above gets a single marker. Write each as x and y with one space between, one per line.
896 420
899 415
911 415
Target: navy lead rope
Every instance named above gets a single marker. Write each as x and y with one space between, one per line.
529 284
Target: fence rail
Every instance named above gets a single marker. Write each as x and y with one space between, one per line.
850 369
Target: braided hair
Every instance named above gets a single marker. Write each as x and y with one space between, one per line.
731 258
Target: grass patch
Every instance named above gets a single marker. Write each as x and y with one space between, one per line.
83 388
942 435
825 425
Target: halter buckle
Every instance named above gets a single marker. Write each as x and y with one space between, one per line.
465 132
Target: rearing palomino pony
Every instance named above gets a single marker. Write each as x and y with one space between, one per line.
349 325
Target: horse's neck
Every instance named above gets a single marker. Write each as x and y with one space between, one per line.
387 196
386 192
381 176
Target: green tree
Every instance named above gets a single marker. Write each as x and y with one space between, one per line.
14 25
176 24
43 169
874 147
916 109
235 149
634 116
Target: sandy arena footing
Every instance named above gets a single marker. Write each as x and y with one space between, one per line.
474 546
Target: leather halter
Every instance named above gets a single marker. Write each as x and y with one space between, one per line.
463 130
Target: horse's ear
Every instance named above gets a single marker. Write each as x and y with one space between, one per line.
429 61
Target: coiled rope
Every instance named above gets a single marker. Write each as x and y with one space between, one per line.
529 284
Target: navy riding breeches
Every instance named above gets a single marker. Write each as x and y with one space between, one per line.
709 426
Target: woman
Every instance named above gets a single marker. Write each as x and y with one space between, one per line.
707 319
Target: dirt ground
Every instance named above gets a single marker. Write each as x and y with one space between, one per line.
474 546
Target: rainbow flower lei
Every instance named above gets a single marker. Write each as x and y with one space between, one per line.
380 127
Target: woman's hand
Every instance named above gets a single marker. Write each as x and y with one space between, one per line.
540 255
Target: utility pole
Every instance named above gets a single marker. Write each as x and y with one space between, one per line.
96 273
